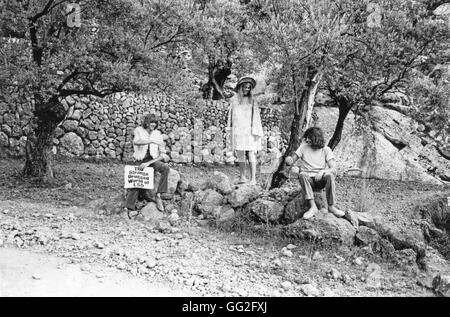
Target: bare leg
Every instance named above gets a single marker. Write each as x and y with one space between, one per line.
242 178
330 189
306 184
253 173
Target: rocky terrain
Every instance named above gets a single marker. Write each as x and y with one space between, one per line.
392 242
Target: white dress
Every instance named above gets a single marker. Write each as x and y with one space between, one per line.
246 130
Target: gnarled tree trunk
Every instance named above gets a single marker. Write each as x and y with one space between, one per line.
344 109
38 149
218 71
305 105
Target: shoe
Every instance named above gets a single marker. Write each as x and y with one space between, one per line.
129 211
310 213
159 204
338 213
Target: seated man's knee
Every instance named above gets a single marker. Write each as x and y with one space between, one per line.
165 168
328 176
303 175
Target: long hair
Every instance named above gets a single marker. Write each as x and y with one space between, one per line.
315 134
240 94
149 119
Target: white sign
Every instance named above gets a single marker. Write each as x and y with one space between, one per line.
135 177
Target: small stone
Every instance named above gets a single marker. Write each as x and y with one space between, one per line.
150 263
277 262
99 245
36 277
85 268
286 285
179 236
358 261
174 218
309 290
290 246
158 238
373 279
287 253
334 274
6 211
49 216
317 256
339 258
100 275
121 266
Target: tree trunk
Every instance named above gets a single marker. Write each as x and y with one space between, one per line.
38 149
218 72
344 109
305 103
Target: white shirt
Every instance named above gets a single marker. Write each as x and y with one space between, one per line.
312 160
141 135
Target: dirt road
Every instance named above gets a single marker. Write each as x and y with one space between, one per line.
28 274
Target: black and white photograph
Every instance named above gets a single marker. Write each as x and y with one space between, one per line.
226 154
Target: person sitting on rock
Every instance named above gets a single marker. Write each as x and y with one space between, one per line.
317 170
148 147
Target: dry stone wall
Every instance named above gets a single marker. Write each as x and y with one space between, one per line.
96 127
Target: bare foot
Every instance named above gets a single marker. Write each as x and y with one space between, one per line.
311 212
338 213
242 180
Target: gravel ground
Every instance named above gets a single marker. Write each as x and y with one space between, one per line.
53 220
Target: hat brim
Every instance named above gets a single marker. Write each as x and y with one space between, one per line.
246 80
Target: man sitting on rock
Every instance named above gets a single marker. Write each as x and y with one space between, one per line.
317 170
148 145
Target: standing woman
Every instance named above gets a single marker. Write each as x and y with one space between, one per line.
244 120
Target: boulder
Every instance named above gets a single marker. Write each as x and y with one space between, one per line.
400 239
441 285
226 215
244 194
208 201
151 213
324 227
366 236
392 150
222 183
267 211
435 262
72 143
295 209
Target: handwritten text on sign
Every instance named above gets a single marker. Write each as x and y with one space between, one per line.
137 178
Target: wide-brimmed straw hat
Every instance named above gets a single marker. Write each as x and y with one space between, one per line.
244 80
